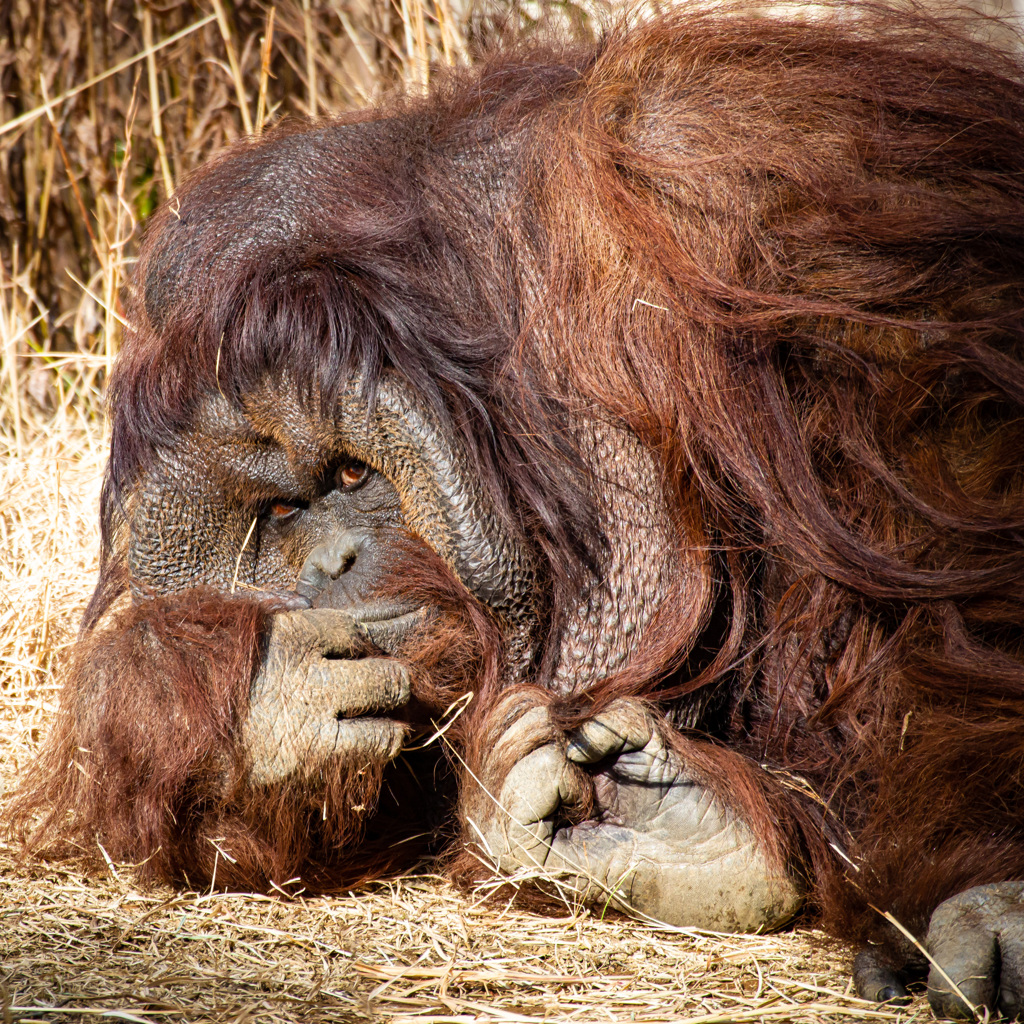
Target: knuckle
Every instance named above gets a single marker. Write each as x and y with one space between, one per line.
625 727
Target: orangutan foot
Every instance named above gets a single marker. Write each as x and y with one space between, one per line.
657 842
977 938
319 693
976 943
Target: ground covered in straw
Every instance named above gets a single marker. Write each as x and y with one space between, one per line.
105 107
78 948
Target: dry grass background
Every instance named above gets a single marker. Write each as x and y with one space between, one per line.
81 167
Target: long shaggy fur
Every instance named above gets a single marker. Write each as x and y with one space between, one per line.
144 763
790 256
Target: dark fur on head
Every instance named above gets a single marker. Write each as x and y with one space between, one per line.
790 257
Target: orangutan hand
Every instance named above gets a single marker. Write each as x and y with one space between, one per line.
318 693
657 841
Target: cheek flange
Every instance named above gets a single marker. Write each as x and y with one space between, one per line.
444 503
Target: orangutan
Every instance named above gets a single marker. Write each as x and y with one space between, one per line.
608 471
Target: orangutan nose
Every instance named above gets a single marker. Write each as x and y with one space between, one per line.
329 561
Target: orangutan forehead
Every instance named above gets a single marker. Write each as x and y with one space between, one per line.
275 440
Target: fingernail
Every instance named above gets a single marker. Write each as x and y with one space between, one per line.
890 994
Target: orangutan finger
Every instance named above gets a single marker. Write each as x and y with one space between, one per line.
977 937
530 730
276 601
335 690
621 728
300 745
627 736
1010 1000
334 633
542 783
308 709
534 792
350 689
370 738
295 636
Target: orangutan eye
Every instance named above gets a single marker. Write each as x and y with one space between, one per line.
281 509
351 475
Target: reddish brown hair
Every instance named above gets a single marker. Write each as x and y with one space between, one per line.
790 257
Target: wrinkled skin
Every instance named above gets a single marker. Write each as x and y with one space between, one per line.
656 842
655 839
316 517
336 501
975 943
596 338
314 695
977 938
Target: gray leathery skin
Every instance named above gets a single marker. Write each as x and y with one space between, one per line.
190 526
977 938
189 513
875 979
641 566
443 504
171 550
315 697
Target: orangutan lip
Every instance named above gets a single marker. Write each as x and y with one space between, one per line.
388 613
388 632
281 601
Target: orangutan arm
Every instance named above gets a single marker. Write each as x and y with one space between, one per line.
211 740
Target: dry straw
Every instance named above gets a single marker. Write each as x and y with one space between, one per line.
105 107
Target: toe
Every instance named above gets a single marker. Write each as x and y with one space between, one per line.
876 980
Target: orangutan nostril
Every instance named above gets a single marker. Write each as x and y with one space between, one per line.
329 561
333 562
341 566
